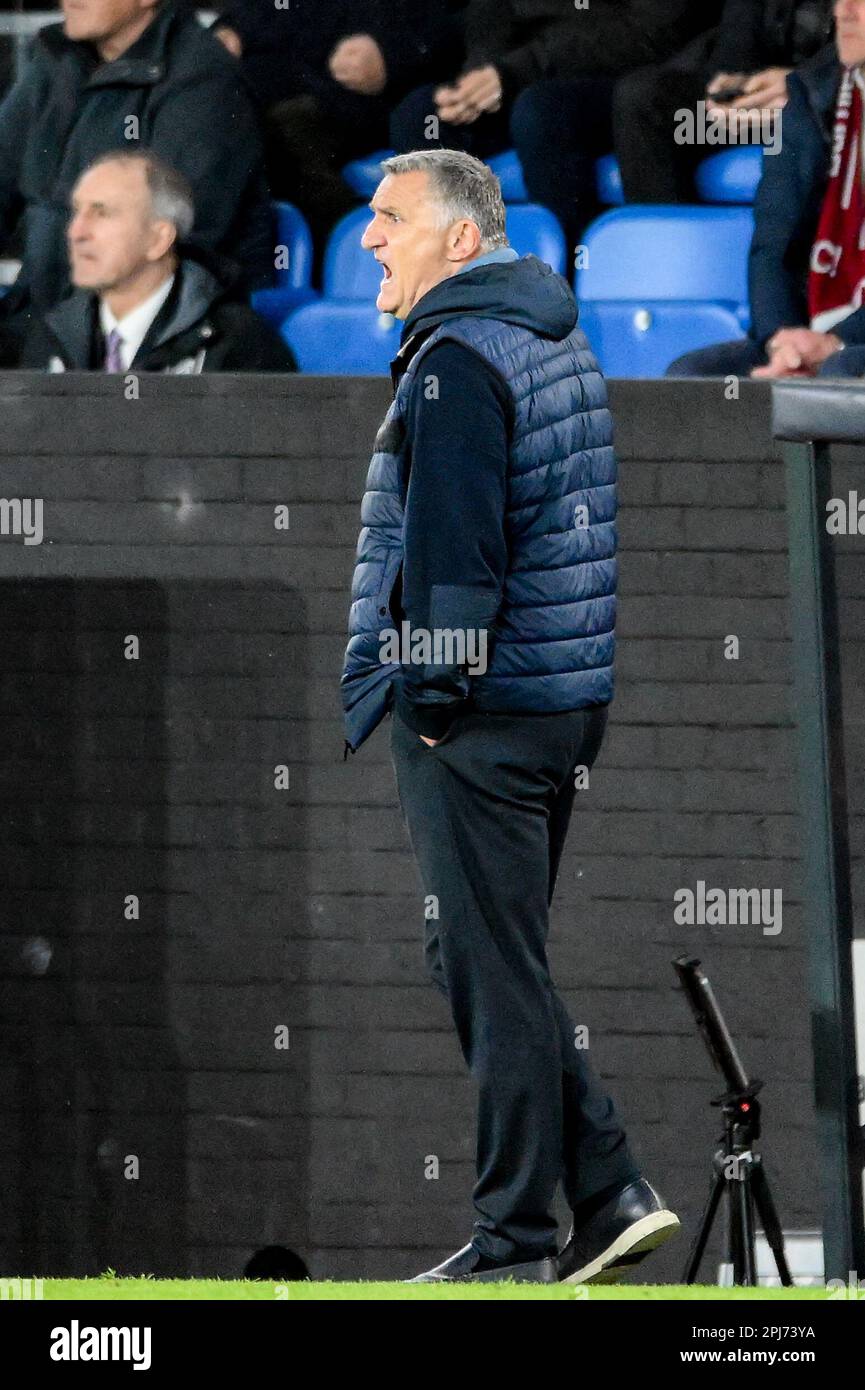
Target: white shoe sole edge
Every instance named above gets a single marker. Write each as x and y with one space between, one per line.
642 1237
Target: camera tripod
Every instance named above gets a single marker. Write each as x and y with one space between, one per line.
739 1173
738 1170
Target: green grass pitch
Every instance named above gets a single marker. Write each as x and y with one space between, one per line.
209 1289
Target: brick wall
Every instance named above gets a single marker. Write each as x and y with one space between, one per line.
153 1036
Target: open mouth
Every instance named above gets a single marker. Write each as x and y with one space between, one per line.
387 273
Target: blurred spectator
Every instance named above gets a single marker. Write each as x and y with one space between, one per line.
558 126
116 73
327 73
807 261
756 45
144 303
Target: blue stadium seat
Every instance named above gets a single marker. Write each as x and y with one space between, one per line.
731 176
659 253
642 339
509 171
534 229
275 304
608 177
293 279
349 271
364 175
342 339
292 231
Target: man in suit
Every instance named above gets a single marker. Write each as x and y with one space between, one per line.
142 301
483 610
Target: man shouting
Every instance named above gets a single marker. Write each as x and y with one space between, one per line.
482 615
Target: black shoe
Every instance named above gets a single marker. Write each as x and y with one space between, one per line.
470 1266
628 1227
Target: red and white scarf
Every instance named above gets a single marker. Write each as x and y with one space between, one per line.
836 284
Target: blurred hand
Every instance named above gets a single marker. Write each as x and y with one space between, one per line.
797 352
230 39
474 93
431 741
725 81
765 89
358 63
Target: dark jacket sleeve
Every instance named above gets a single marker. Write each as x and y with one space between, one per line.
739 46
249 344
15 118
258 22
490 32
851 330
419 39
37 348
786 212
455 555
208 129
757 34
282 48
608 38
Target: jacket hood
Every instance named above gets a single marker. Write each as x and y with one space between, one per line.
526 292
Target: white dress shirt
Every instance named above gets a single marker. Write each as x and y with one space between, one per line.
134 326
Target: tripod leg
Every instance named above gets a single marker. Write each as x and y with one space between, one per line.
705 1227
770 1222
742 1230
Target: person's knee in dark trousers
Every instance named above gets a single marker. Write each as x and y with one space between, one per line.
14 327
414 125
411 126
654 168
559 129
308 141
737 358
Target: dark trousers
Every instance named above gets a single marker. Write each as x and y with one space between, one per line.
559 129
655 169
721 359
487 812
738 358
410 127
308 139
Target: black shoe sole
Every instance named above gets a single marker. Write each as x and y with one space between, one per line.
534 1272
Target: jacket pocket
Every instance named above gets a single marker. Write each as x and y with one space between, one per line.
390 571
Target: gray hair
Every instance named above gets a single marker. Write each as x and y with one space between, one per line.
462 186
171 197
